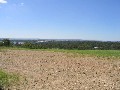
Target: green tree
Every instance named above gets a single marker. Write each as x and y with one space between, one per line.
6 42
1 44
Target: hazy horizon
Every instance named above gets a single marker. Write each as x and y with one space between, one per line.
57 39
60 19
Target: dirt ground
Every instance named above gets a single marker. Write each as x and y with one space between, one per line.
46 70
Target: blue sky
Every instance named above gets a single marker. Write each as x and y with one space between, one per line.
60 19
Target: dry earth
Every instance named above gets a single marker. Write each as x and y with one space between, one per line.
45 70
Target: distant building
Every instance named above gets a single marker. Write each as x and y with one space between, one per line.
18 43
41 41
96 47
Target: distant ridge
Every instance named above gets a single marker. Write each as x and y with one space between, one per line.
29 39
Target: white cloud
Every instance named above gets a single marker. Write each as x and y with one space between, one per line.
3 1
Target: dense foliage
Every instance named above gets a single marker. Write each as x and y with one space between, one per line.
5 42
80 45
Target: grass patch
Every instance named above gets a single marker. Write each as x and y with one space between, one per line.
99 53
7 80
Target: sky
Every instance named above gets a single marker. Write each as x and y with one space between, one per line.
60 19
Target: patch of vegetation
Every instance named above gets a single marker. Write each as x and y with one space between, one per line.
71 45
6 79
102 53
99 53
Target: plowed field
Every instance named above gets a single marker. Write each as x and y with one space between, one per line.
47 70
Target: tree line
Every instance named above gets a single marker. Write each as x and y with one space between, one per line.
80 45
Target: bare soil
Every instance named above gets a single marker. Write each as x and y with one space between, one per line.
46 70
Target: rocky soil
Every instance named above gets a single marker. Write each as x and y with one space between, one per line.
47 70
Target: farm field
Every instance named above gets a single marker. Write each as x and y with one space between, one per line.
63 69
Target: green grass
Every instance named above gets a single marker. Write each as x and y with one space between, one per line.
7 79
100 53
